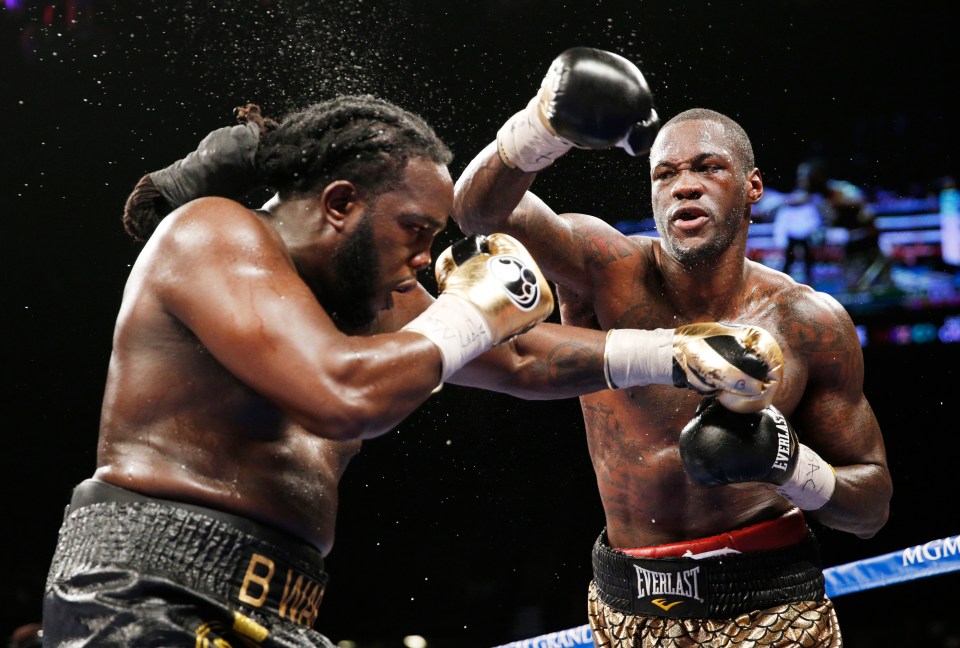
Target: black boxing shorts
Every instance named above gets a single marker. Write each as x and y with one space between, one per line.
131 570
765 579
723 583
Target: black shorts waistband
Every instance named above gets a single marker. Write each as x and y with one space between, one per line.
714 588
228 557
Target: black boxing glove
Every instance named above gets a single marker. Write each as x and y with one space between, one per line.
719 447
589 98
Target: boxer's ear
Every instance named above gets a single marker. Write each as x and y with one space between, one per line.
755 189
339 200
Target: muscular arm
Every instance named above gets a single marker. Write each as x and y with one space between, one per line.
492 197
548 362
835 419
222 273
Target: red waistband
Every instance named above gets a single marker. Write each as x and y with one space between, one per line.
788 529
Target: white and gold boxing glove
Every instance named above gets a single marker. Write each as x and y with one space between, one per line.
490 291
741 365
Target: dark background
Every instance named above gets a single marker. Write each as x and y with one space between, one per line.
472 523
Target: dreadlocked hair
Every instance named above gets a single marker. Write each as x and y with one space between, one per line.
144 209
252 114
359 138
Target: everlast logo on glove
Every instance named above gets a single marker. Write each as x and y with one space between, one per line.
674 590
783 440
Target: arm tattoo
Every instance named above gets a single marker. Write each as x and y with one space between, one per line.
569 364
599 249
600 419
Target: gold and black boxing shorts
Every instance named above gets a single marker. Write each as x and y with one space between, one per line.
726 597
144 549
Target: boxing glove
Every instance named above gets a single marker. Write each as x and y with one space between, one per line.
221 165
589 98
722 447
742 365
490 291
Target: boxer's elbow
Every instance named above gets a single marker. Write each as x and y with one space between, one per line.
342 410
342 417
329 424
871 526
864 508
879 505
361 395
862 523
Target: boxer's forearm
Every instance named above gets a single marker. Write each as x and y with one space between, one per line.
549 362
553 361
861 500
487 193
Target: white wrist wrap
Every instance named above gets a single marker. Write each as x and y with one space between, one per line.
525 142
812 482
632 358
457 328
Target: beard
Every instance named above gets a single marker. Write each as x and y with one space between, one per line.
705 254
355 277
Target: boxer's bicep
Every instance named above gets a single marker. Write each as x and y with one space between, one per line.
835 419
835 415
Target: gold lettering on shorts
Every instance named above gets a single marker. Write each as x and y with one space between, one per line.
258 579
300 603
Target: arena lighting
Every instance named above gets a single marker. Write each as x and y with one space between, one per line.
904 334
950 331
862 334
414 641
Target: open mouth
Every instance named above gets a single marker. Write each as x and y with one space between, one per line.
689 219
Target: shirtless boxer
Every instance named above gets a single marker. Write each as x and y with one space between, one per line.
705 541
256 349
